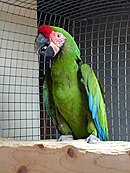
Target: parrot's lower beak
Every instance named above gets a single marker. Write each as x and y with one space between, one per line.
42 46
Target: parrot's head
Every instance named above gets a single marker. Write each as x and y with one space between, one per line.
48 42
51 40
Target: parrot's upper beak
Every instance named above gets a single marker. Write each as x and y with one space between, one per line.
42 46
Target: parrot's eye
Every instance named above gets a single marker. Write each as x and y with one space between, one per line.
58 35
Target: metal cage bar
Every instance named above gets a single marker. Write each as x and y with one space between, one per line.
102 31
108 51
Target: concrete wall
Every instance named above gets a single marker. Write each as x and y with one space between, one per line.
19 84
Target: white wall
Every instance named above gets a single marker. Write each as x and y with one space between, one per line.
19 95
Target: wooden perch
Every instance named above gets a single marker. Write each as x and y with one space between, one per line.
64 157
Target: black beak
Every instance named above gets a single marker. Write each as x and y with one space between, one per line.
42 46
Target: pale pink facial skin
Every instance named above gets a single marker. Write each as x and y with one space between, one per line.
56 41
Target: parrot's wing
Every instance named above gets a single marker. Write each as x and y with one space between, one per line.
50 107
96 101
48 101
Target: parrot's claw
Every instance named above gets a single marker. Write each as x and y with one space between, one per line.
65 138
92 139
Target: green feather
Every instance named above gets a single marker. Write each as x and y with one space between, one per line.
68 102
93 86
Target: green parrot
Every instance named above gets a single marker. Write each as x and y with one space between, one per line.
72 94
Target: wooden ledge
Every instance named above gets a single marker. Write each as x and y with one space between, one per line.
64 157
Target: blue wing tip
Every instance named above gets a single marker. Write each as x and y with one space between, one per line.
94 109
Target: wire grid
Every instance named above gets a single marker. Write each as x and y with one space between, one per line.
19 94
104 44
22 115
74 9
47 128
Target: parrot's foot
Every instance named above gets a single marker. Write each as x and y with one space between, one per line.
65 138
92 139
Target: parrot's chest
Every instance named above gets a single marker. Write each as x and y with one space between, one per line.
65 88
69 94
65 83
71 101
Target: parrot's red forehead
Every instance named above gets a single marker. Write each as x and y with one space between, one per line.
46 30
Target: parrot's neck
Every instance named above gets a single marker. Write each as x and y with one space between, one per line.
64 64
66 61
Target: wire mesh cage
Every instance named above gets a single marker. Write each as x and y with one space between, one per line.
102 31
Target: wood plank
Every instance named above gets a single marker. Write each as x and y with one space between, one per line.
64 157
